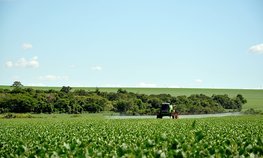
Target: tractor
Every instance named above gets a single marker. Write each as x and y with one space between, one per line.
167 110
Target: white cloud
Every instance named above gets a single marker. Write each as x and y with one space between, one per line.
23 63
9 64
26 46
143 84
256 49
198 81
53 78
96 68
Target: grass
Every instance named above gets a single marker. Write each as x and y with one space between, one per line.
253 96
94 136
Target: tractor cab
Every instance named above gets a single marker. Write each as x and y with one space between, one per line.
167 109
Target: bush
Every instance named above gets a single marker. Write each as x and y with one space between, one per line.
253 111
11 115
27 100
24 116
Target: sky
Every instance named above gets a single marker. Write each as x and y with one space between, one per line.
132 43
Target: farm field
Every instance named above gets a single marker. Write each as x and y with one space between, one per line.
254 96
94 136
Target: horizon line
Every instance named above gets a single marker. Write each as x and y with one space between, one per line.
145 87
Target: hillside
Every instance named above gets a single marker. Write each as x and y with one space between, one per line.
254 96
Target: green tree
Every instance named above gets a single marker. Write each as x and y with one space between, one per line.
21 103
155 102
17 84
65 89
239 101
241 98
120 90
122 106
80 92
17 87
223 100
95 103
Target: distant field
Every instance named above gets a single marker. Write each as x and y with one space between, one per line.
254 97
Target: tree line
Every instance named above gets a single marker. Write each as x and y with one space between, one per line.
24 100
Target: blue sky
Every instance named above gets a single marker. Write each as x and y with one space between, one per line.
132 43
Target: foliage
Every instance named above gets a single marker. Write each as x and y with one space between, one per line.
17 84
23 100
253 111
65 89
253 96
20 103
12 115
87 136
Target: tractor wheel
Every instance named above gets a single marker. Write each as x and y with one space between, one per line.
159 116
175 115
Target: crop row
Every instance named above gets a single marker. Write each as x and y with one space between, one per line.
96 137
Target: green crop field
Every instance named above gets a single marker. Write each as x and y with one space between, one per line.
254 97
90 136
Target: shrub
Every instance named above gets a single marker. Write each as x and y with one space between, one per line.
253 111
11 115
